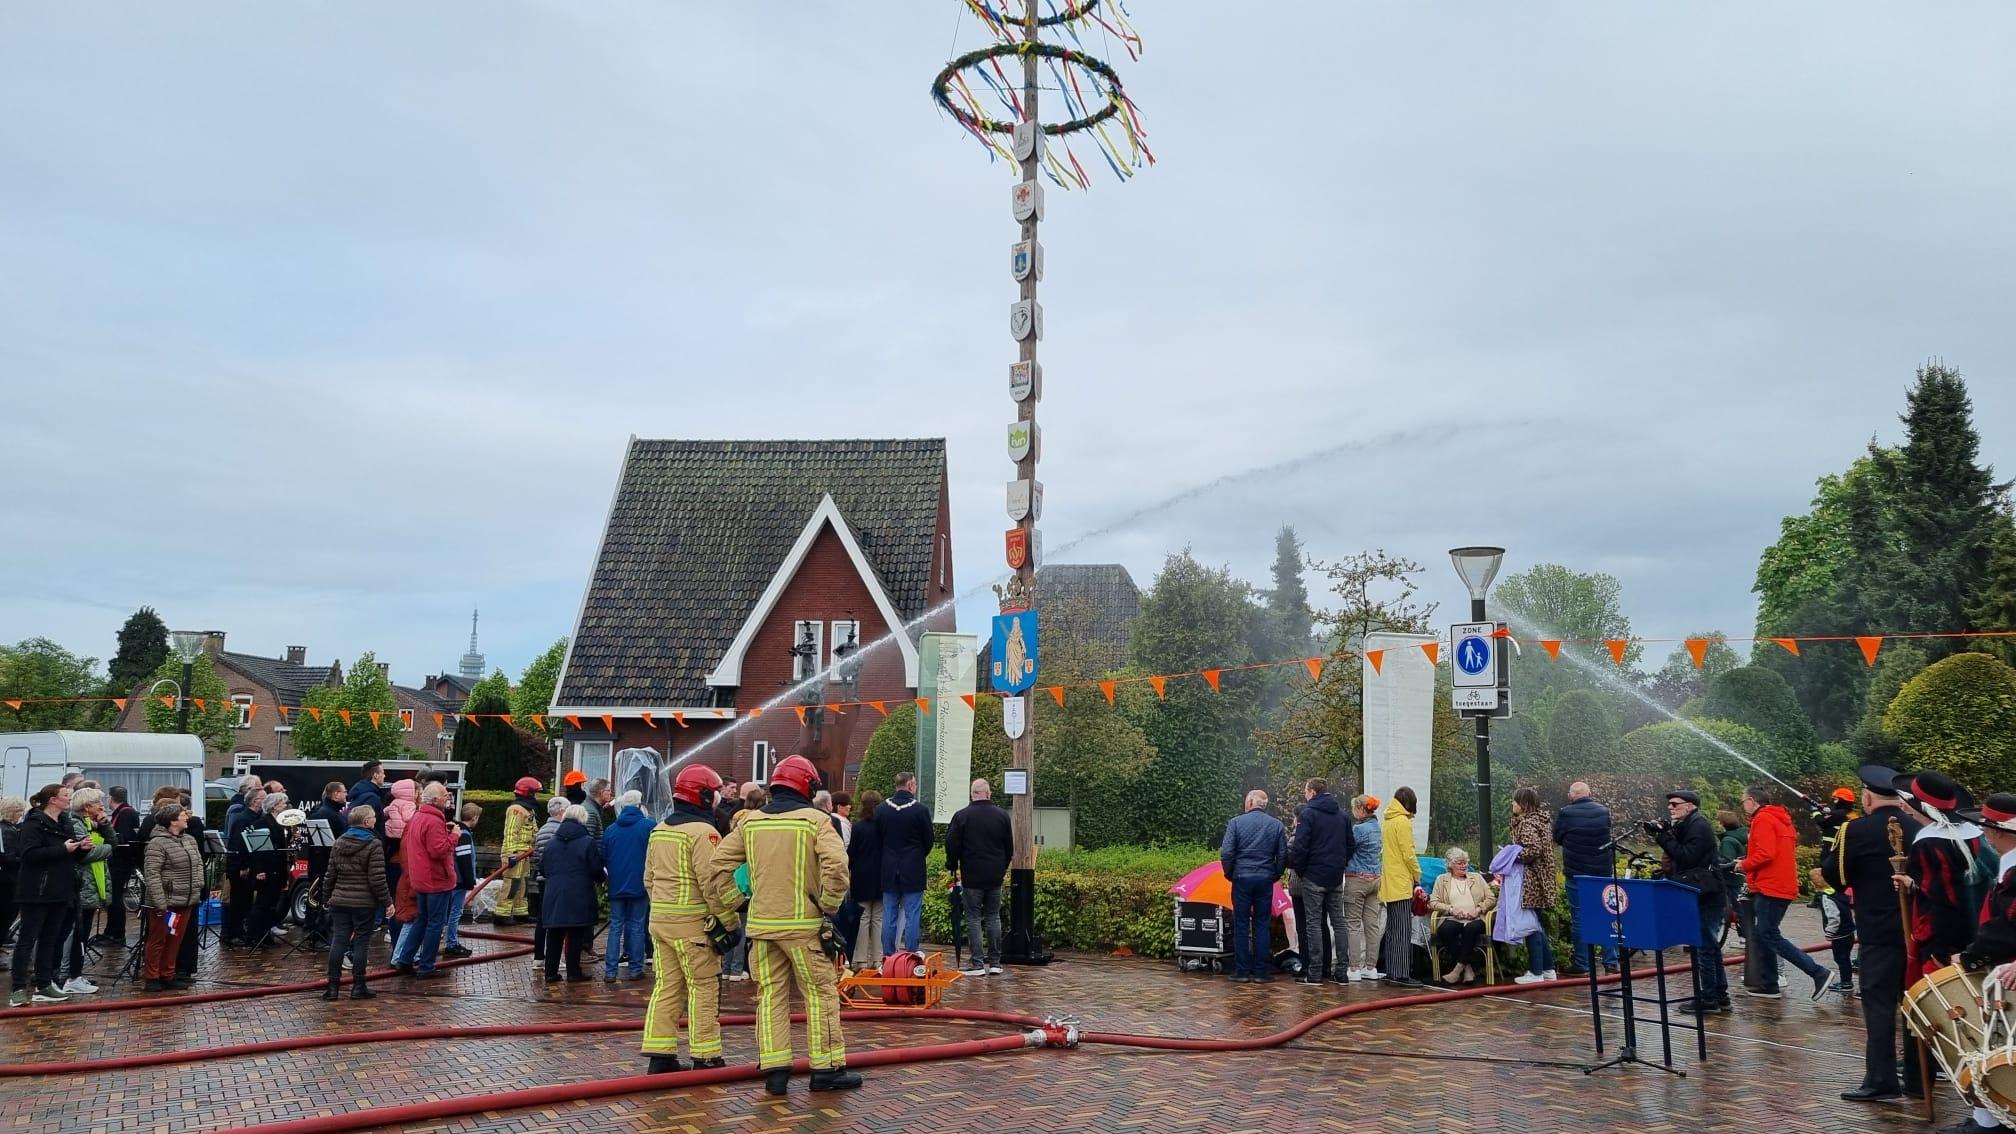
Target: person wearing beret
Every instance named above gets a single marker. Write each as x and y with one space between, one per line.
1860 865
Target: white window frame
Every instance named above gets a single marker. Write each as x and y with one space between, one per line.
762 755
406 718
799 670
242 703
607 756
836 633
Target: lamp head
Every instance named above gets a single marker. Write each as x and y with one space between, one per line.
1477 566
186 643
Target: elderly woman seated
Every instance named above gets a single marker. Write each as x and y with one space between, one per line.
1464 900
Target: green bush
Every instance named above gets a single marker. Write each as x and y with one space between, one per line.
1760 699
893 748
490 828
1581 734
1685 749
1959 716
1093 901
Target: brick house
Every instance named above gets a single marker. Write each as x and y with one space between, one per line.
717 559
251 680
441 695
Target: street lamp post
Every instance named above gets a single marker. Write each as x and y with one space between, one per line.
187 644
1477 566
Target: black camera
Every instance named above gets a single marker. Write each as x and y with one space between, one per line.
1657 827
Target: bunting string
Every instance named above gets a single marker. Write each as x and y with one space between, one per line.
1870 646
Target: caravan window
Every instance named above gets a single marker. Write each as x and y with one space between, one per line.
141 783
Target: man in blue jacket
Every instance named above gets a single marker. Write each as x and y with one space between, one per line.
1252 854
624 844
1318 854
907 836
1582 827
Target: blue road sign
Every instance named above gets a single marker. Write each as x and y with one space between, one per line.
1473 655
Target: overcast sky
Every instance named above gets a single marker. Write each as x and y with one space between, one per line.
323 324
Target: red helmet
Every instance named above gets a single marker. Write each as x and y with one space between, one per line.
695 783
527 786
798 774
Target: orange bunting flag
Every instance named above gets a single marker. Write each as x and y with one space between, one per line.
834 708
539 721
284 710
801 713
572 721
971 700
1790 644
648 722
1057 695
1502 632
251 710
440 724
1378 660
1161 685
345 714
14 705
1211 678
1106 687
1315 667
755 712
1434 652
1552 646
1617 646
121 702
200 706
609 722
1869 647
880 707
923 704
376 713
1698 648
678 719
168 701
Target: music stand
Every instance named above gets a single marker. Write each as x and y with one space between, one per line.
213 848
319 834
257 840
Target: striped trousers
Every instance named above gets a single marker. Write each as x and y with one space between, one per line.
778 965
687 972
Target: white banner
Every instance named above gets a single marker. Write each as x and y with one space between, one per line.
1400 723
948 663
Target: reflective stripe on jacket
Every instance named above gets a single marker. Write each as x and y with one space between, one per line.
676 861
797 871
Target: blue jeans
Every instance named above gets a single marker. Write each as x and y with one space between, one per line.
910 907
1539 952
420 944
1708 970
1252 933
1767 914
626 934
455 917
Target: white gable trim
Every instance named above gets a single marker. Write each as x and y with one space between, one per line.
729 671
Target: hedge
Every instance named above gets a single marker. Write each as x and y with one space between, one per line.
1959 716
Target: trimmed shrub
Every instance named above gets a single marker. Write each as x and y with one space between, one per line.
1760 699
1959 716
1683 750
1580 735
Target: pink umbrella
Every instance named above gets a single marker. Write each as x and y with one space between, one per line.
1207 883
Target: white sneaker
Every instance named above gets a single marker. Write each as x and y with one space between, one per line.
1528 978
1373 974
974 970
1549 975
737 978
995 970
78 986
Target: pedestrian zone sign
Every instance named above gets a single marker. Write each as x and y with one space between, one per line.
1473 656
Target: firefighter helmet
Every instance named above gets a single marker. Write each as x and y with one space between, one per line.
696 784
798 774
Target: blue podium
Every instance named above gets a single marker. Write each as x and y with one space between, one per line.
1625 915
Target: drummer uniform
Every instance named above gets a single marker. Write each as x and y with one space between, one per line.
1861 865
1941 923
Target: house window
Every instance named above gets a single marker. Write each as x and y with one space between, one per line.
592 757
241 705
759 762
406 719
843 632
806 664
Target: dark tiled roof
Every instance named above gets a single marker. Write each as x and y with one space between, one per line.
698 529
289 682
1102 594
427 698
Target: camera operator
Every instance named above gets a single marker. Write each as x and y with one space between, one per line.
1689 842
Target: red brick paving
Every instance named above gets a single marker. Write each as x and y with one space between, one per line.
1774 1065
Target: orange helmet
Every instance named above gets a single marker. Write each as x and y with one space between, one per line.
1845 795
798 774
577 776
696 784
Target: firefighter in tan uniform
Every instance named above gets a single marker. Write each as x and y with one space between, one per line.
678 863
797 880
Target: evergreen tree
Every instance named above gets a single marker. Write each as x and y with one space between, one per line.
1994 605
1947 509
143 646
1288 602
489 744
1582 736
1760 699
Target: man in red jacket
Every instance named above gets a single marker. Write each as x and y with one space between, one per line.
1772 870
429 847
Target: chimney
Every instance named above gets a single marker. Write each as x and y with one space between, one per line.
213 642
385 670
297 655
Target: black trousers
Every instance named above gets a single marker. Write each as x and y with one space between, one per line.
185 961
38 945
1882 990
267 899
568 939
76 927
238 905
350 935
118 876
1459 938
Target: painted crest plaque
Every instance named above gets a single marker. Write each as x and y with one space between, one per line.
1025 319
1014 666
1025 500
1024 379
1014 717
1028 141
1017 543
1025 259
1027 198
1024 438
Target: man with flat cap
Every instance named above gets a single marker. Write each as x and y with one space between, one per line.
1994 945
1689 843
1860 865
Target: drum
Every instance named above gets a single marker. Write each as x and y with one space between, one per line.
1988 1078
1944 1011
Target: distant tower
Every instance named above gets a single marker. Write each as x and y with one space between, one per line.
472 662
